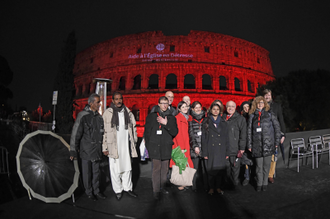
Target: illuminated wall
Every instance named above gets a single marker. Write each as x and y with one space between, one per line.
203 65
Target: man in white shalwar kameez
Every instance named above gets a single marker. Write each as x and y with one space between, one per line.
120 134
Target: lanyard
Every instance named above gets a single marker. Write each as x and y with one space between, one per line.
159 123
259 118
199 122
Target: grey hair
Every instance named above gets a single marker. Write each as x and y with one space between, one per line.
229 102
91 98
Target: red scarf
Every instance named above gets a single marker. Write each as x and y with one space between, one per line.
259 118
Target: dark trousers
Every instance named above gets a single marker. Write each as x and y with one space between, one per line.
233 169
159 174
199 164
215 178
91 176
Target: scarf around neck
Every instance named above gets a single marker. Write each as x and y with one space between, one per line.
199 116
161 113
217 122
185 115
115 119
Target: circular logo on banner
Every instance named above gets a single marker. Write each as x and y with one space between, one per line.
160 47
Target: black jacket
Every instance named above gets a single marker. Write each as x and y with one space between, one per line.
87 135
195 126
276 108
160 146
215 144
263 142
237 133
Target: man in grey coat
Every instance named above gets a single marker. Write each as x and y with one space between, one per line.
86 138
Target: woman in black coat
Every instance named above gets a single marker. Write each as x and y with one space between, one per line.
263 137
195 136
215 147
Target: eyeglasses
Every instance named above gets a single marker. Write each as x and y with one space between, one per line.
261 103
164 103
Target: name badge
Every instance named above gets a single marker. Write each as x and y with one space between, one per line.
258 129
159 132
199 133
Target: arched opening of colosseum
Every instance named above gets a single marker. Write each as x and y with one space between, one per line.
136 112
87 88
79 90
223 83
206 82
171 82
109 87
237 85
189 81
122 83
249 86
137 82
153 81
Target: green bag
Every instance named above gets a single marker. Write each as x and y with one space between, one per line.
179 158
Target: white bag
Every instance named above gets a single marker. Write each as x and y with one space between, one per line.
184 179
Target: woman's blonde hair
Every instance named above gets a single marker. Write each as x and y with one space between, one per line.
255 104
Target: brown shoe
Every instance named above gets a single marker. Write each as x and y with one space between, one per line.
270 180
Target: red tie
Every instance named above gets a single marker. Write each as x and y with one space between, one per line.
259 118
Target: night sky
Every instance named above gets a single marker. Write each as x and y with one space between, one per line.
296 33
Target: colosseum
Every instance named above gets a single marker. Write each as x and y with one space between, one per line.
143 66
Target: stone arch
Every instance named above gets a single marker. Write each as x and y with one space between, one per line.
79 90
153 81
206 82
171 81
136 112
87 89
122 83
249 86
137 82
109 86
238 84
223 83
189 81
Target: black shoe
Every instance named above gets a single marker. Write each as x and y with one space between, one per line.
92 197
165 192
264 188
118 196
131 193
245 182
156 195
258 188
101 196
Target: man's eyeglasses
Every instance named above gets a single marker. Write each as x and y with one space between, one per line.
164 103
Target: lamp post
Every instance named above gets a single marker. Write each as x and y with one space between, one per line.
101 90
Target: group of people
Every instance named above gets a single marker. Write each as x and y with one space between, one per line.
215 141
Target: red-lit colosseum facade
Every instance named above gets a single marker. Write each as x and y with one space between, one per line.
203 65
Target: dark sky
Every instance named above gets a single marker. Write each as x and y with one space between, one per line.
296 33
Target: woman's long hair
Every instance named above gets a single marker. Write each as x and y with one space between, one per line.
255 104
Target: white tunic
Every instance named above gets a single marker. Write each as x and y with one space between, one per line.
123 163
